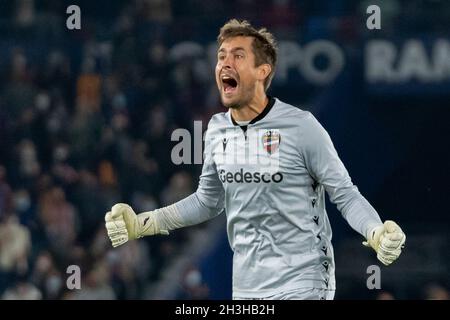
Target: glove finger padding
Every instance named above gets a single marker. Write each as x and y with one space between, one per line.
116 225
387 240
127 215
123 224
389 244
108 217
393 238
117 236
389 253
118 241
388 256
386 260
391 227
394 232
117 232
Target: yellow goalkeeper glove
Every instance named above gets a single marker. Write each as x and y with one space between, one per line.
387 240
122 224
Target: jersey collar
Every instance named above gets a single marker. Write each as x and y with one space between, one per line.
260 116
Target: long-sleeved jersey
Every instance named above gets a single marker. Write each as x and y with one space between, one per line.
270 177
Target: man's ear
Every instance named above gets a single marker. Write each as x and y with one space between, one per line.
264 71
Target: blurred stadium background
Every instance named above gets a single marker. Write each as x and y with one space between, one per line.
86 118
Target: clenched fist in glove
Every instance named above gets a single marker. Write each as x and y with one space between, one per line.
387 240
123 224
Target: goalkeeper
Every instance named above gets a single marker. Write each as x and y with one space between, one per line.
267 165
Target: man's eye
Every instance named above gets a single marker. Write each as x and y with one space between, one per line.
239 56
221 57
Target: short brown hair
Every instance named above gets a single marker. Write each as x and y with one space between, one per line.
264 45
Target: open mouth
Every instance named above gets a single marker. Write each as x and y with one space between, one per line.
229 84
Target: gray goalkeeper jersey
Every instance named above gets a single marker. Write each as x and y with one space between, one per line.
270 177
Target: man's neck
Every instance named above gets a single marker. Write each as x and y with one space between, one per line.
251 110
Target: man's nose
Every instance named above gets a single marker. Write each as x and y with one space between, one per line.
227 62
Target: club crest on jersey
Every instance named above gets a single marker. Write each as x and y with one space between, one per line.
271 141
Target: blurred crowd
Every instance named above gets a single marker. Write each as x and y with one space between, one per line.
86 118
75 140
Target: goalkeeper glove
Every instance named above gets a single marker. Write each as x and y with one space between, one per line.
387 240
122 224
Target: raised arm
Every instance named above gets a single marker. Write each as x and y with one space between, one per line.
325 166
123 224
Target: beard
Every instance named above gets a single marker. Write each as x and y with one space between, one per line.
244 97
